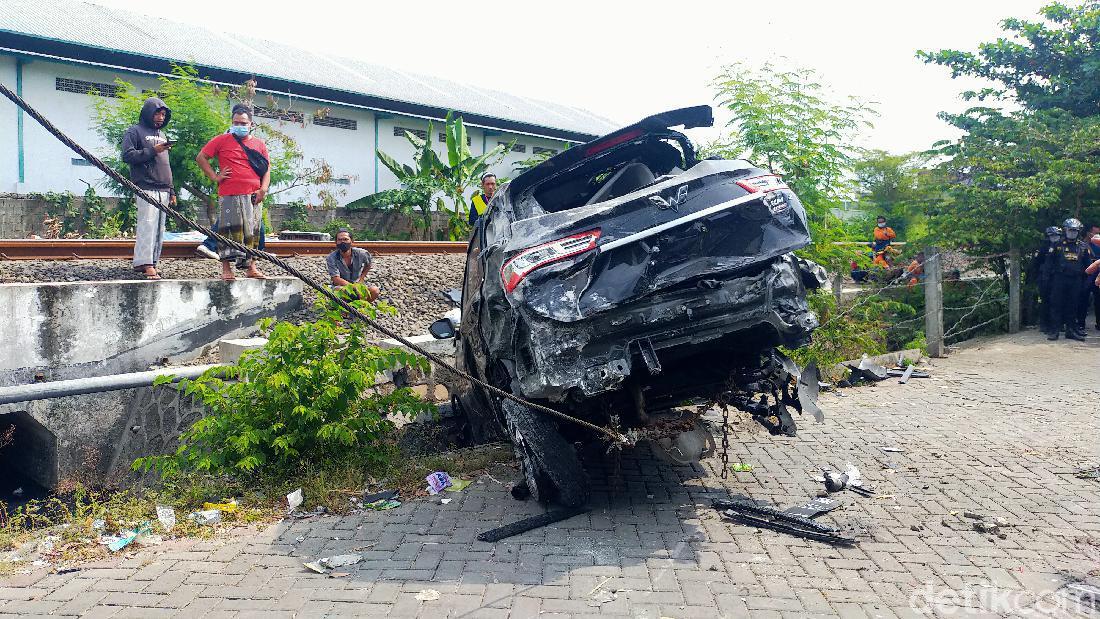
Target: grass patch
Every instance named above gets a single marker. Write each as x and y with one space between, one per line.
63 530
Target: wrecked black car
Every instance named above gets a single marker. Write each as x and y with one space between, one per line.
623 278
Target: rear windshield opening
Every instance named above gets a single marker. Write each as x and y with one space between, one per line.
604 177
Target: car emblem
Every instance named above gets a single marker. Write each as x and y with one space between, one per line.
672 202
776 202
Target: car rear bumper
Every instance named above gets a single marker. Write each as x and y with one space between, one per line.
767 306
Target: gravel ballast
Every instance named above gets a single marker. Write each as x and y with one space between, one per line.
412 282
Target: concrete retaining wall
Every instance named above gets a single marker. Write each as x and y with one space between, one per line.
60 331
95 436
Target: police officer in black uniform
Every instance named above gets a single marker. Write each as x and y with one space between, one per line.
1068 262
1053 238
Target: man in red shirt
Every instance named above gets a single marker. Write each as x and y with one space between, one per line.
241 189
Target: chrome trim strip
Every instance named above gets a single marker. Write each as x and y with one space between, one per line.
680 221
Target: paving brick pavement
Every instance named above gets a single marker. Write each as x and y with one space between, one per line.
998 430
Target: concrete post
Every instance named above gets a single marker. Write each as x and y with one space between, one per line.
933 302
1014 290
838 287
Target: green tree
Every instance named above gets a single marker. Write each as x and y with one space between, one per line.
200 111
784 120
1013 173
430 182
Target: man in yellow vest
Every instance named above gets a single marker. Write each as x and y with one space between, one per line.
480 202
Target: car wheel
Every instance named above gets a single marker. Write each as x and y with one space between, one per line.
550 464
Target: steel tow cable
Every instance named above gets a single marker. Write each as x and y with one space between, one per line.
320 288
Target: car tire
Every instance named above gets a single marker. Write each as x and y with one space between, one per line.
551 466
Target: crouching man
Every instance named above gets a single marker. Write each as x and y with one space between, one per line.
349 264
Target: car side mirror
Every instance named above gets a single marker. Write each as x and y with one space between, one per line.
442 329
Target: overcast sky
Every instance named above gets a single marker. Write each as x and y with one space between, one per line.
626 60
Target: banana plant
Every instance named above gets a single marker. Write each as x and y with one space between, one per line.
430 176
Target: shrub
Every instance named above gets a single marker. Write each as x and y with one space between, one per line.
307 398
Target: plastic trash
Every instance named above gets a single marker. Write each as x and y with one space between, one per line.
324 564
228 506
98 524
207 516
427 595
741 467
438 482
167 517
294 499
458 485
445 501
383 504
116 543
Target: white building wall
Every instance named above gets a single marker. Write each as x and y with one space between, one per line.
350 152
49 164
9 143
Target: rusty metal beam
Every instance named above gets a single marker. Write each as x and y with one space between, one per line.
75 249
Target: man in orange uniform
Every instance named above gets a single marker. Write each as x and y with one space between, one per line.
882 253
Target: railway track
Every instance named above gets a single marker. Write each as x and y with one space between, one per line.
79 249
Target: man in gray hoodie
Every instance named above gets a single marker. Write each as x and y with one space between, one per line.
145 149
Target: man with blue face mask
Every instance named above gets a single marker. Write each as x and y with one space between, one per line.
243 178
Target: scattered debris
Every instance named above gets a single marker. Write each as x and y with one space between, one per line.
972 516
325 564
116 543
850 479
294 499
209 516
427 595
814 508
445 501
866 371
320 510
893 450
67 570
905 373
385 495
766 517
1086 592
167 517
99 524
534 522
227 506
458 485
1087 473
741 467
383 504
438 482
906 376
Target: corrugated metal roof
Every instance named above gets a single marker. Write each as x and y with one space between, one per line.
90 25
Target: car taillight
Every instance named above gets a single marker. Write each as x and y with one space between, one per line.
613 140
768 182
513 271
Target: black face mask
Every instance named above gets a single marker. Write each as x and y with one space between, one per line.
343 246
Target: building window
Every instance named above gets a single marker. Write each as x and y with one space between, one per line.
287 115
443 138
538 150
420 133
66 84
339 123
81 162
516 148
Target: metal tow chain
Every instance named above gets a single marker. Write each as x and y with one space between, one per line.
612 434
725 436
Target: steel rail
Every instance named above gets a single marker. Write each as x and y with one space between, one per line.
74 249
